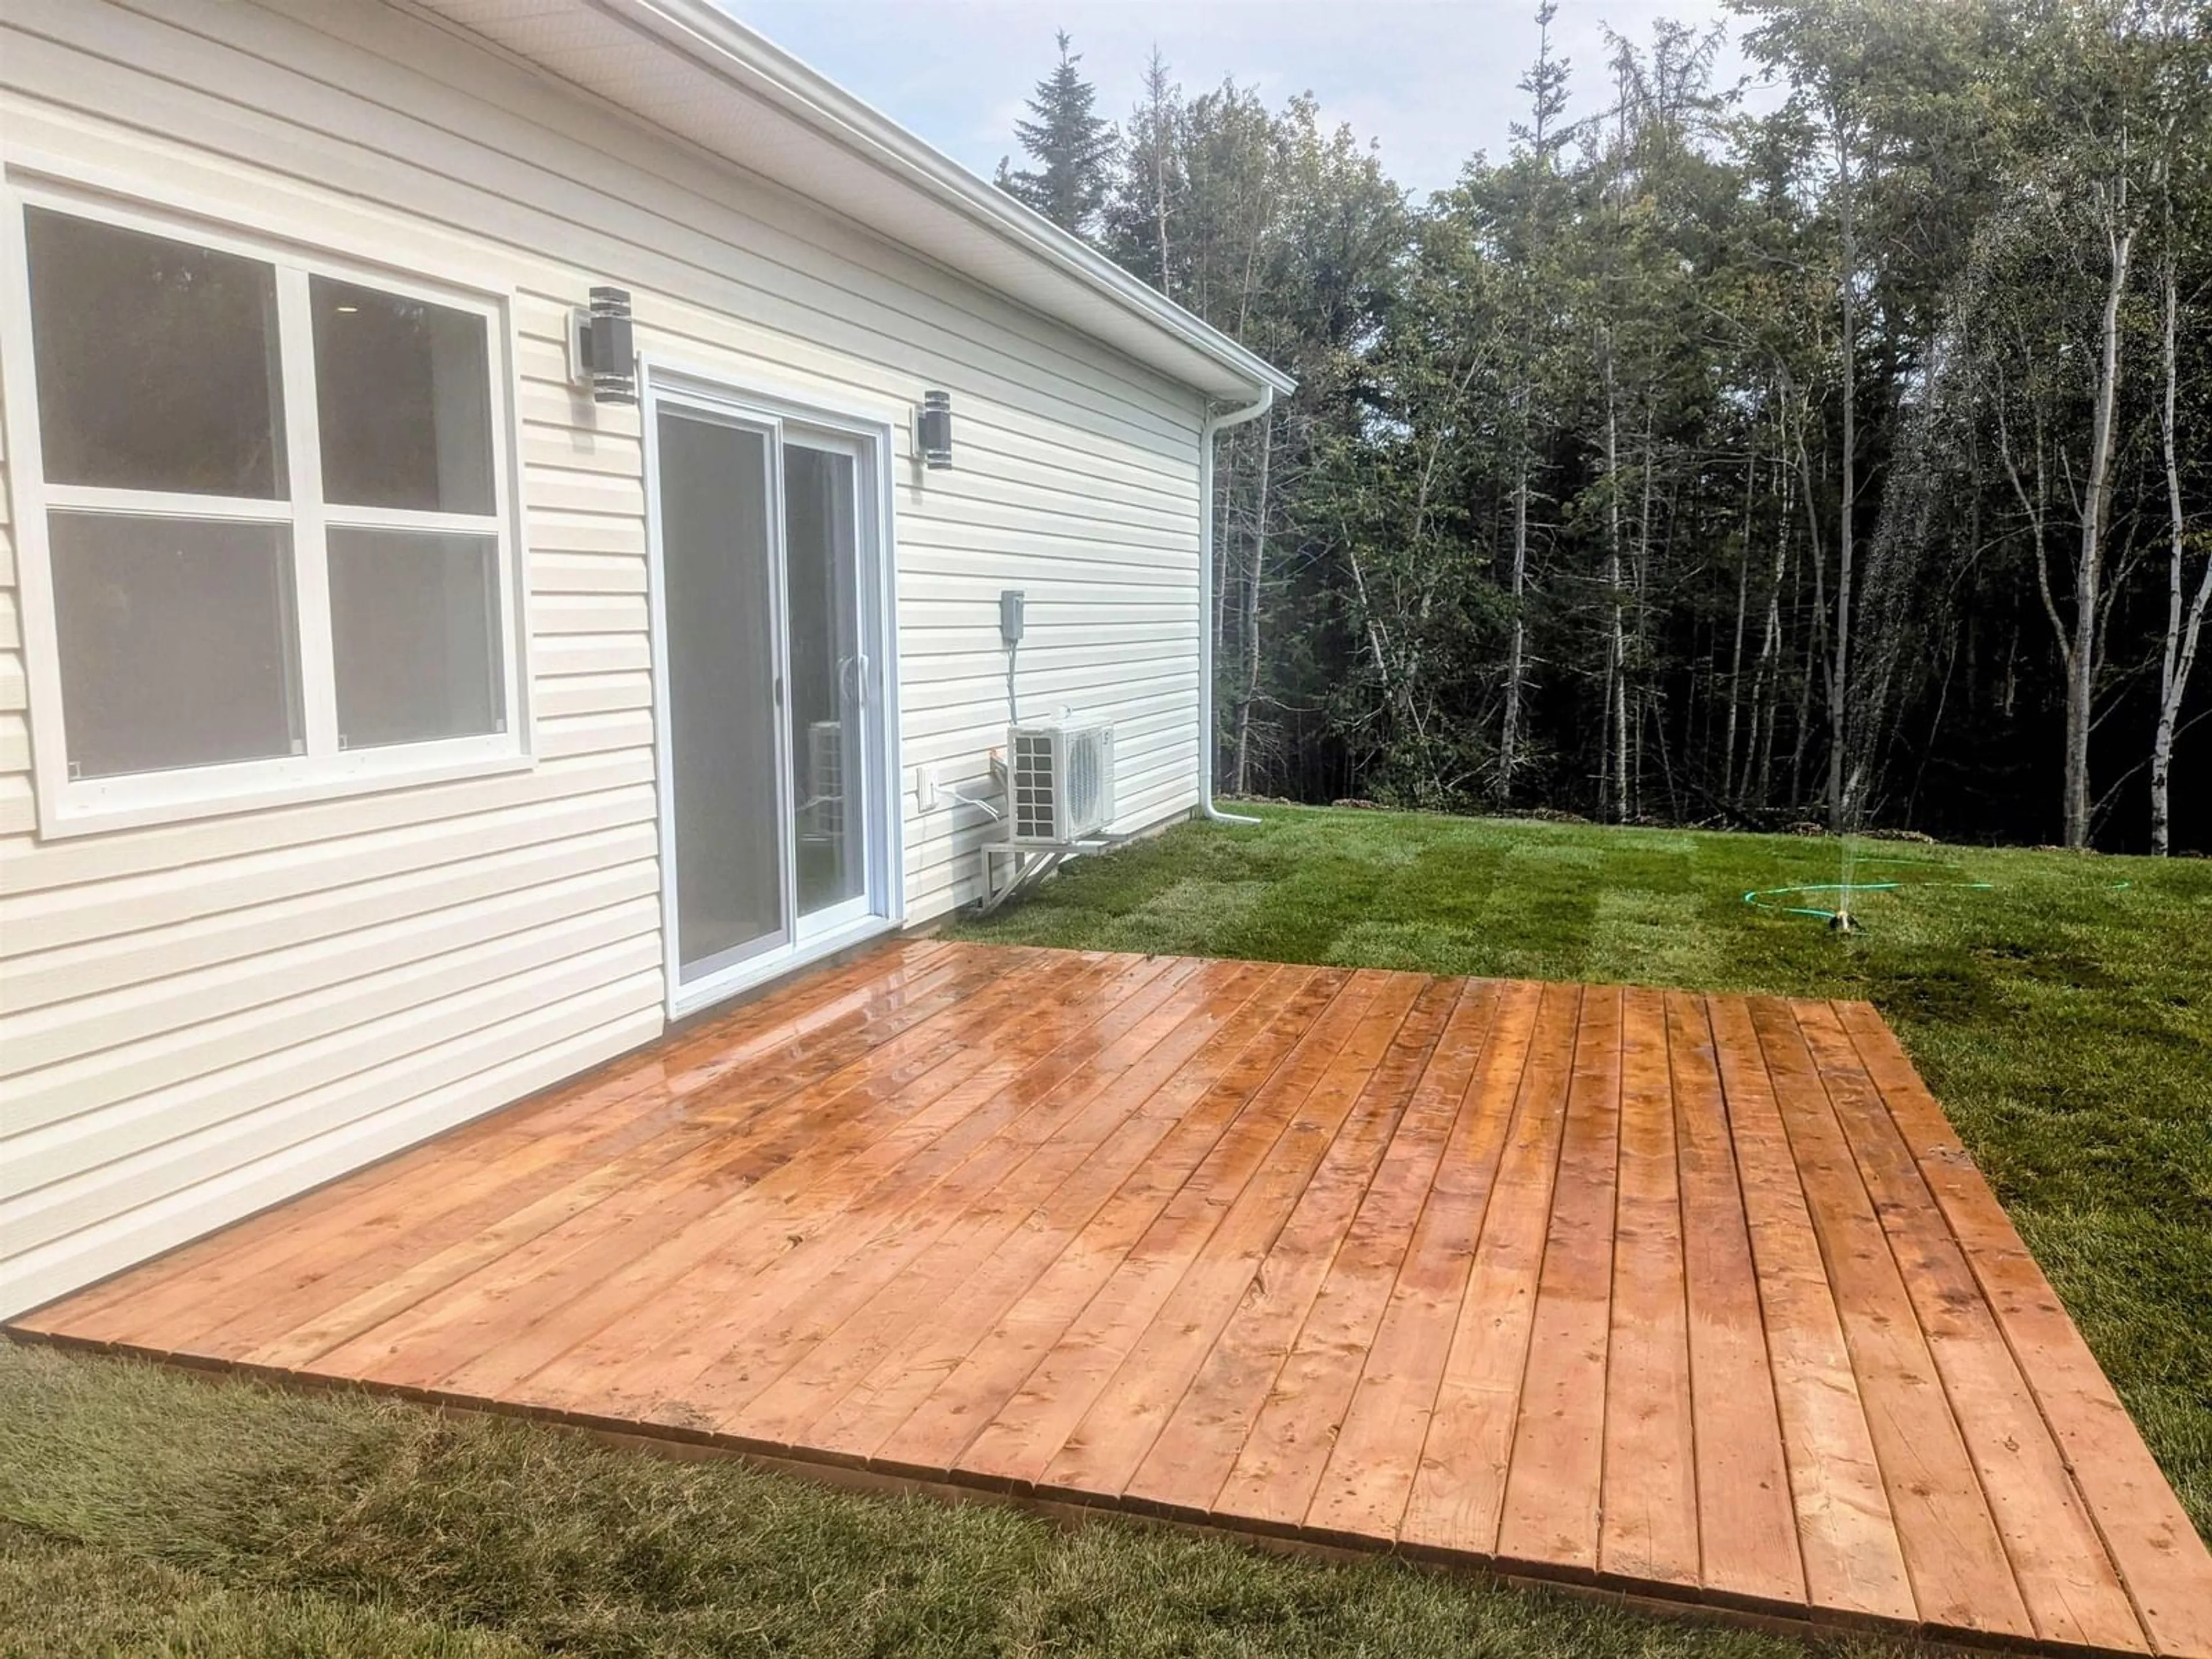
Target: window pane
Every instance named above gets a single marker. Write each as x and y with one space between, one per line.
156 362
822 580
176 641
415 630
405 392
719 549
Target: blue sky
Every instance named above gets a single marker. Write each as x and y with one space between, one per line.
1430 81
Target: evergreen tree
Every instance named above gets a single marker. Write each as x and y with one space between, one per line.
1560 512
1074 150
1149 192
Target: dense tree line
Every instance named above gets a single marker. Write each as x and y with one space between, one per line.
1849 461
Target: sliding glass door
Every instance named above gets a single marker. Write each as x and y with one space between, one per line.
726 737
771 633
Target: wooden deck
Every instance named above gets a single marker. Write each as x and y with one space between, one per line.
1695 1296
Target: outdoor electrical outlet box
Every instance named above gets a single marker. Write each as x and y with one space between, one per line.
1009 617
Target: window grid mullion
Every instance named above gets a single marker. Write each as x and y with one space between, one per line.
338 516
164 504
304 467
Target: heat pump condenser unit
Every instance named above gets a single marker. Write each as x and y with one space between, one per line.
1059 782
823 816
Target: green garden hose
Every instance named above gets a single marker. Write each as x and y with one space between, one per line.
1763 898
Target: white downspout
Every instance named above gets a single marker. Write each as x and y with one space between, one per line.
1213 424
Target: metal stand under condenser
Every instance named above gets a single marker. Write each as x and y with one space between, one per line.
1012 868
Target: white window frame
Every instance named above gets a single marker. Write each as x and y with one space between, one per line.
68 805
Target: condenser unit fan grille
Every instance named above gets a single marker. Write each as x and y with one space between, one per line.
1083 783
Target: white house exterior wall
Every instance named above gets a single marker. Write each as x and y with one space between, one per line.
202 1016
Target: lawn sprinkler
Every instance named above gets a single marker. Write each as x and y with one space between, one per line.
1804 899
1839 920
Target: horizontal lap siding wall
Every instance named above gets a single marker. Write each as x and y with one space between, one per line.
198 1019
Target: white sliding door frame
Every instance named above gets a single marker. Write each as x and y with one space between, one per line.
736 962
702 393
797 434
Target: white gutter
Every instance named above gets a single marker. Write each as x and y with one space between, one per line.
1213 424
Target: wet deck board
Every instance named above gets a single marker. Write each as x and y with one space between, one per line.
1697 1297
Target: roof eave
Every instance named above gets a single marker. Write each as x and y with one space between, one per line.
704 31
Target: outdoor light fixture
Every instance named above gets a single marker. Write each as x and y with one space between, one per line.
601 354
932 430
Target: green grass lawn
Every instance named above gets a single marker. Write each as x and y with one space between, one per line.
2065 1019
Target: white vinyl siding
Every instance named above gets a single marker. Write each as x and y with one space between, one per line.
198 1018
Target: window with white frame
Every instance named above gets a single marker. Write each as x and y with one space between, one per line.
272 497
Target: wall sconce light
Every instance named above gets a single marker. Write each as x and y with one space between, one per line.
601 352
932 430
